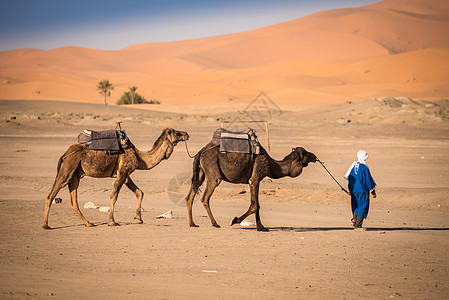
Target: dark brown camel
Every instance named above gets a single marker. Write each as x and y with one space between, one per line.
215 166
78 161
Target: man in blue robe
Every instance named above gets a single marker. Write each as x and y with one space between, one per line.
360 184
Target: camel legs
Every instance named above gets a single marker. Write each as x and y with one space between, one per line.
54 191
189 201
139 194
254 207
59 183
210 188
191 196
73 188
121 178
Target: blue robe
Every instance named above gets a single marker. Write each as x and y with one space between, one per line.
360 183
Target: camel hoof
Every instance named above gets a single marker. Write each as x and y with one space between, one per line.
262 229
90 225
216 225
194 225
113 224
46 227
139 221
235 221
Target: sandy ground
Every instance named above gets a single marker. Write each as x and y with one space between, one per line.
310 251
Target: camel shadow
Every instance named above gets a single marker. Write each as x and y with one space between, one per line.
95 225
67 226
334 228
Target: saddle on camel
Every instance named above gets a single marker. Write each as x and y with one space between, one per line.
238 142
111 141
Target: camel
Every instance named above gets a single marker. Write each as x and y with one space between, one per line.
78 161
214 166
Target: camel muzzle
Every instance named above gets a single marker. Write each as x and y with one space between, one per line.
312 157
183 136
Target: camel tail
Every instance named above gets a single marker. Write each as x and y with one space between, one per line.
196 172
58 168
64 156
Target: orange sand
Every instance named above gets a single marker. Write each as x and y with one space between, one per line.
391 48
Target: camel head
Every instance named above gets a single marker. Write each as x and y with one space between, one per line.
304 157
298 159
175 136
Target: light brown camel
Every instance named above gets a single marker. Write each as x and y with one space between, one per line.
78 161
215 166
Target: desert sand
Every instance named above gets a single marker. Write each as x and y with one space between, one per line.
373 78
310 252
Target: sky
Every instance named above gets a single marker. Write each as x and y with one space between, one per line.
116 24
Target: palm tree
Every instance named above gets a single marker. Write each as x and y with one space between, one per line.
105 87
132 92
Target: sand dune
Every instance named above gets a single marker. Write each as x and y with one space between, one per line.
421 74
348 35
394 48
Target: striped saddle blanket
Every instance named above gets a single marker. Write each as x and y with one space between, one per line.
240 142
110 141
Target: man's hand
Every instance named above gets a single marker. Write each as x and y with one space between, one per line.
373 192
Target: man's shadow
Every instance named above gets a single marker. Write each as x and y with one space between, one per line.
334 228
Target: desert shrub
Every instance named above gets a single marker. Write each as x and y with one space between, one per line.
154 101
127 99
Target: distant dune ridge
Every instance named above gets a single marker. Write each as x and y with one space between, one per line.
390 48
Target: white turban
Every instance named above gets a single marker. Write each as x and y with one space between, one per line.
362 156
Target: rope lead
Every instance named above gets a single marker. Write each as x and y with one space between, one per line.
187 149
342 188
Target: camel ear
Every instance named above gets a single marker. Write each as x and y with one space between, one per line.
300 151
168 131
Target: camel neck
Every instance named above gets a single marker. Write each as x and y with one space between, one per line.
280 168
150 159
